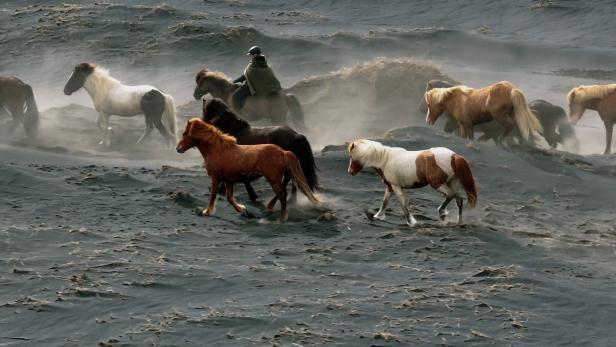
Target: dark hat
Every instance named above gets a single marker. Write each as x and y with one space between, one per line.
254 50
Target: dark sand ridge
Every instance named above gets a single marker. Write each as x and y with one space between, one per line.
115 254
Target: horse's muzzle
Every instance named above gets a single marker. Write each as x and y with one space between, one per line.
179 150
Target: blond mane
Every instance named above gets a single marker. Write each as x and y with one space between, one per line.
437 95
584 93
210 134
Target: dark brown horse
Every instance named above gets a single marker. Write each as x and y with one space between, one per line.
217 113
274 107
227 162
17 99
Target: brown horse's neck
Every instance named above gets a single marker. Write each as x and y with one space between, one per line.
209 151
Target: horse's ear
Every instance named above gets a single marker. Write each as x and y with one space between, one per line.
198 129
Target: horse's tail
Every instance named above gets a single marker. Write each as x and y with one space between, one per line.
462 171
294 169
303 152
296 112
567 135
526 121
31 121
170 115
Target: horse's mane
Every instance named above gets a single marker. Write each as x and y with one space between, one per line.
230 122
216 75
210 134
437 95
584 93
366 151
100 71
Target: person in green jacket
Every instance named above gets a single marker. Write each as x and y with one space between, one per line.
259 78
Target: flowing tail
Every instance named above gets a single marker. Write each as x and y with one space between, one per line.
526 121
31 121
462 171
303 152
170 116
294 169
296 112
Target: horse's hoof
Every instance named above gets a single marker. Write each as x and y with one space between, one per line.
369 215
411 222
247 214
379 216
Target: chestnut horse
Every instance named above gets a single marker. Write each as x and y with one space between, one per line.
275 107
600 98
500 101
217 113
553 119
445 171
17 99
227 162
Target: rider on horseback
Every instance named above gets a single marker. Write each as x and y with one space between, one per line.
259 77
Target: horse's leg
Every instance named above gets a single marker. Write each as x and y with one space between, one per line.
17 113
213 192
229 192
281 194
103 125
272 202
507 124
251 192
148 130
449 194
460 203
293 197
163 131
410 220
381 212
609 128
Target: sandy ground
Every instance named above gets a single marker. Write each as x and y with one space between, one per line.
110 251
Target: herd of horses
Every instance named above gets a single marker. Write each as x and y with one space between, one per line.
236 152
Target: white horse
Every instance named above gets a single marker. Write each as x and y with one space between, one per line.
111 97
447 172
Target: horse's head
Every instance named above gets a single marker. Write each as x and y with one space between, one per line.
355 150
208 136
202 88
220 115
435 102
190 136
423 107
576 107
78 77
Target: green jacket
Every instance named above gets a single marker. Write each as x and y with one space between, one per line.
260 77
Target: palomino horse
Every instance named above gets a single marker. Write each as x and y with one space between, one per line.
447 172
17 99
553 119
217 113
275 107
501 101
601 98
111 97
227 162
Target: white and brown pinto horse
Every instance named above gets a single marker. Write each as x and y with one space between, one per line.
111 97
601 98
442 169
500 101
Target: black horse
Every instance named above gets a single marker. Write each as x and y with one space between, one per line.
17 100
217 113
552 118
